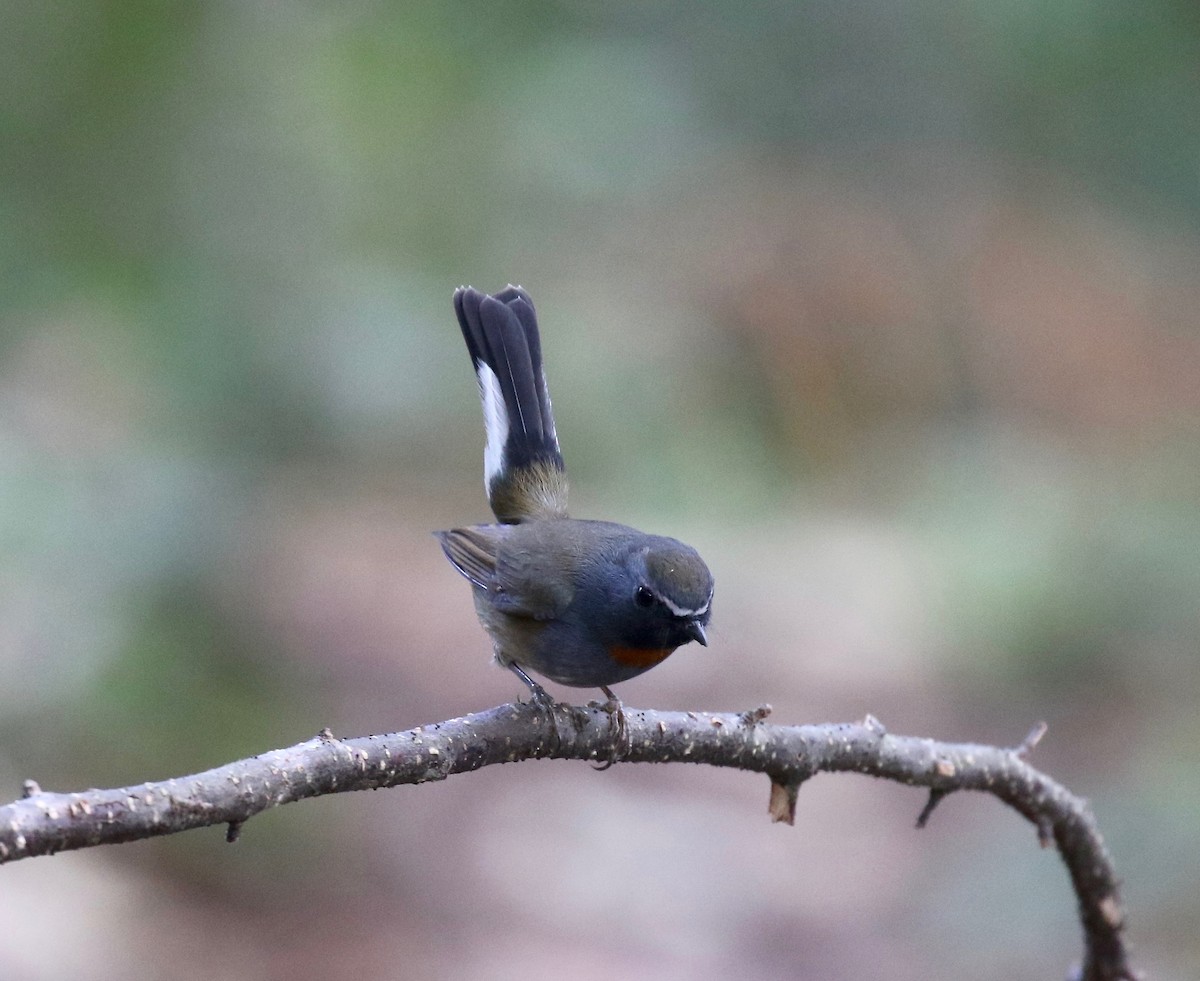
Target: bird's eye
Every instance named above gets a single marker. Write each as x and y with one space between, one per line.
643 597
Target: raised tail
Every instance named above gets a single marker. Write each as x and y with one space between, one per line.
523 469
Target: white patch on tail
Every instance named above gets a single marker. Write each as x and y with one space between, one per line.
495 421
552 434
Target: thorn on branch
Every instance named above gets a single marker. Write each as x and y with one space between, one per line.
30 788
784 790
233 832
326 735
873 724
1030 742
782 805
1045 831
935 797
752 717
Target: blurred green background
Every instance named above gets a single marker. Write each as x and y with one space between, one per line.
890 308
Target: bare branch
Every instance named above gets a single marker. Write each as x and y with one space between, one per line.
41 823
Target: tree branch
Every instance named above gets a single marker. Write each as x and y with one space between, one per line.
42 823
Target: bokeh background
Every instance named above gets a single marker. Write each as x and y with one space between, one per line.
890 308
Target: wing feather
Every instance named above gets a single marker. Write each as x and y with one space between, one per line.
472 551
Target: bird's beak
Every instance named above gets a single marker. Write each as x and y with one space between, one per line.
696 630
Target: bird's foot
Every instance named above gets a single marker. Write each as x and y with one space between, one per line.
622 741
543 700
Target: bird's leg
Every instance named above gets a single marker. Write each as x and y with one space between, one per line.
541 698
622 741
540 695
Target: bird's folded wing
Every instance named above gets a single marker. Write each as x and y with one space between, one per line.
523 578
472 551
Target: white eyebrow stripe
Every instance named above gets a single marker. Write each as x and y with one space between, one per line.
680 611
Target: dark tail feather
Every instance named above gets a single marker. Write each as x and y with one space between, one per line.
523 467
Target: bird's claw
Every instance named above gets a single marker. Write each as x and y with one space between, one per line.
622 741
542 699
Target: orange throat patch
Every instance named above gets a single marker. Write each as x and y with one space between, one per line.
640 657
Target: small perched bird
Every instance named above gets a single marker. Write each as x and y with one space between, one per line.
583 603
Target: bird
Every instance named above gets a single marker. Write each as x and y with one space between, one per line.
582 603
